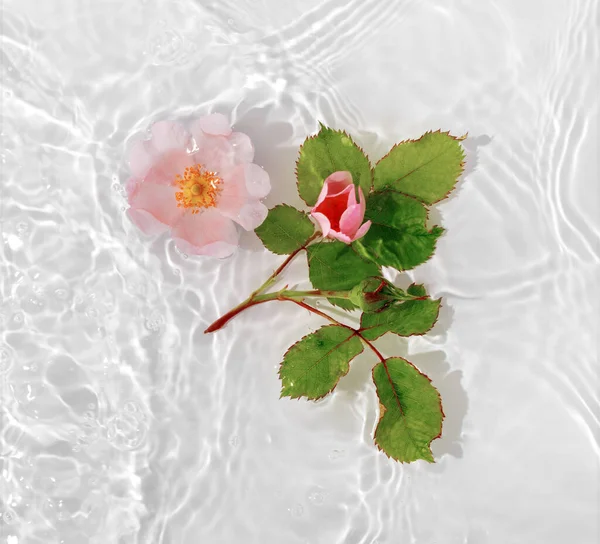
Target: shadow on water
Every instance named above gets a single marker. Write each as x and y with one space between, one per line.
433 364
276 150
471 145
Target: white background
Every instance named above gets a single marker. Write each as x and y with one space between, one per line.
122 423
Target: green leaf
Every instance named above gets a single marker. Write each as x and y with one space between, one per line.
427 168
335 266
413 317
313 366
417 290
398 236
285 229
327 152
410 411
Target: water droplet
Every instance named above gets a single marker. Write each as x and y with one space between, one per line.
126 431
317 498
18 318
166 46
22 228
336 454
297 510
154 321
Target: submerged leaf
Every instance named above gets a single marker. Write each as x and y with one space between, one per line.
335 266
327 152
398 236
427 168
413 317
285 229
313 366
411 411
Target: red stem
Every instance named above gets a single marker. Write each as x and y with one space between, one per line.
328 317
222 321
289 258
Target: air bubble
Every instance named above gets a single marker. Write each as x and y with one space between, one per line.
297 511
9 517
316 497
60 294
154 322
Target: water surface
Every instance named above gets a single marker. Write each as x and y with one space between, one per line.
122 423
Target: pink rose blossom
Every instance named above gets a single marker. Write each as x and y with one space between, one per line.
198 184
338 213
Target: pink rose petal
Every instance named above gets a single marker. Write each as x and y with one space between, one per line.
351 220
168 166
131 186
159 201
252 215
340 236
337 211
215 153
362 230
167 135
206 233
215 124
156 165
323 222
146 222
141 158
258 183
243 149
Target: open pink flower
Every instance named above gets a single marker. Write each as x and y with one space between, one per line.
338 213
198 184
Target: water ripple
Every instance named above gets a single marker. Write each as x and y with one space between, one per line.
121 422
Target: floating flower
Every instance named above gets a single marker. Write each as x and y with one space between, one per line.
198 184
337 211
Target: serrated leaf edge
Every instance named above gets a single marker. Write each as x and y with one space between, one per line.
314 399
382 409
410 140
283 205
443 231
313 137
362 329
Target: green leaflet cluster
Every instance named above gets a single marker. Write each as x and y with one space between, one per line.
399 188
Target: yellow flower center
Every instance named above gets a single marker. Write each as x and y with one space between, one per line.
199 188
